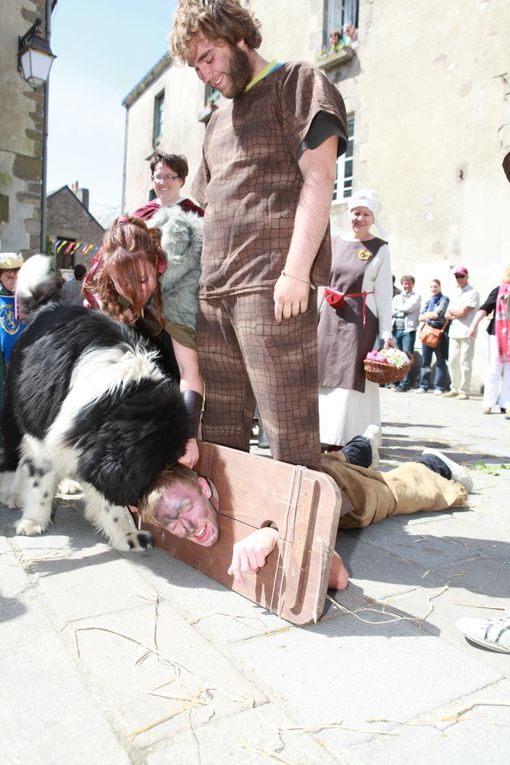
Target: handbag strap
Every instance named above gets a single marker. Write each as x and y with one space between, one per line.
425 324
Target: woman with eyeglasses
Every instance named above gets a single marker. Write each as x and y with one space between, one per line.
168 174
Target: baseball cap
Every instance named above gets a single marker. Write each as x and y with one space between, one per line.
461 271
10 260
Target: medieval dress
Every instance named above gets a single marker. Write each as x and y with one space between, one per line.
348 402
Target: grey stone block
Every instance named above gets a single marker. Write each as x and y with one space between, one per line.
352 671
253 737
481 735
148 664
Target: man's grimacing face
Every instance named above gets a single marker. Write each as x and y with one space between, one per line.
190 513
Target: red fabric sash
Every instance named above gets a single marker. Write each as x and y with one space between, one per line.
336 300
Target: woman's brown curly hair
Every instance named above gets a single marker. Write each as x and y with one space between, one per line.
126 242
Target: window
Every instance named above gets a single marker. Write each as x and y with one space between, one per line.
344 166
159 118
338 13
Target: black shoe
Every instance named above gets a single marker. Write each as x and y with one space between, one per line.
401 390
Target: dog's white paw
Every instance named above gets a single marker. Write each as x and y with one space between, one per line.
29 528
134 540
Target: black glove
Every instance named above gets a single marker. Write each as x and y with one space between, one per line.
193 403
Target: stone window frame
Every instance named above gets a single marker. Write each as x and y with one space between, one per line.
345 165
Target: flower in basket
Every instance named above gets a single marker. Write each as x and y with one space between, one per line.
391 356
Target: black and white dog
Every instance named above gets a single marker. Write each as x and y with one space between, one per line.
85 399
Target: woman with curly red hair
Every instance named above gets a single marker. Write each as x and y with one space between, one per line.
130 285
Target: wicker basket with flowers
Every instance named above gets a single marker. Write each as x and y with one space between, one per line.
387 365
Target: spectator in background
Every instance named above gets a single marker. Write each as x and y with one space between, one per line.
434 315
461 312
350 35
71 293
496 391
405 311
335 41
11 325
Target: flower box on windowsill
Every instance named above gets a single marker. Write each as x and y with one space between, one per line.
336 58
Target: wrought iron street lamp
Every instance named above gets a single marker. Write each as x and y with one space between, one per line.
34 56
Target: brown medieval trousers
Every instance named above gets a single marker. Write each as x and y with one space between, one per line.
371 496
250 183
250 357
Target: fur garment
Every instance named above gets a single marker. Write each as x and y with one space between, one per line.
181 240
86 399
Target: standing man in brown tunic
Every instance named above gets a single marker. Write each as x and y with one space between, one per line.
266 181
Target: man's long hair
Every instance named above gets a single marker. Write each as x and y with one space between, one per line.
212 20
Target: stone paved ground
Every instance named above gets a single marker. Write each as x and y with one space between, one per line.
118 658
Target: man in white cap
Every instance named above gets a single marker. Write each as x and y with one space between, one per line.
11 325
461 312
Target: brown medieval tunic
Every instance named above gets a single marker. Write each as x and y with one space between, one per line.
250 179
250 183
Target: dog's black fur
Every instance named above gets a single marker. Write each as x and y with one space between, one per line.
85 399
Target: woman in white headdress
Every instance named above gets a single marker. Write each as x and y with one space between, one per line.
350 325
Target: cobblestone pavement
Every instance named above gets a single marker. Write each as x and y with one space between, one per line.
115 658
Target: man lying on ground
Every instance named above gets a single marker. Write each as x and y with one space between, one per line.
187 504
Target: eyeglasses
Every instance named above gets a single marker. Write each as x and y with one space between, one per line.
163 178
461 276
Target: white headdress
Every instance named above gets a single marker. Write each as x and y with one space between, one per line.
368 198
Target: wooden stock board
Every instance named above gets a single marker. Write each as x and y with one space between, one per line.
253 492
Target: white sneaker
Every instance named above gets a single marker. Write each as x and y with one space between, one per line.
491 633
459 473
373 433
421 390
438 392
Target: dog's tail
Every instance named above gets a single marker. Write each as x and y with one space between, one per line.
37 284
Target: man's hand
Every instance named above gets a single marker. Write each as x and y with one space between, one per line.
190 456
290 297
251 552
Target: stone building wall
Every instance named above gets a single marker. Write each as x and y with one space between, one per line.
429 89
21 128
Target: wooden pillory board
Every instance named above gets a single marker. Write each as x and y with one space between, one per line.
254 492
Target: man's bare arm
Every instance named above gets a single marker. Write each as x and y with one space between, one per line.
318 167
